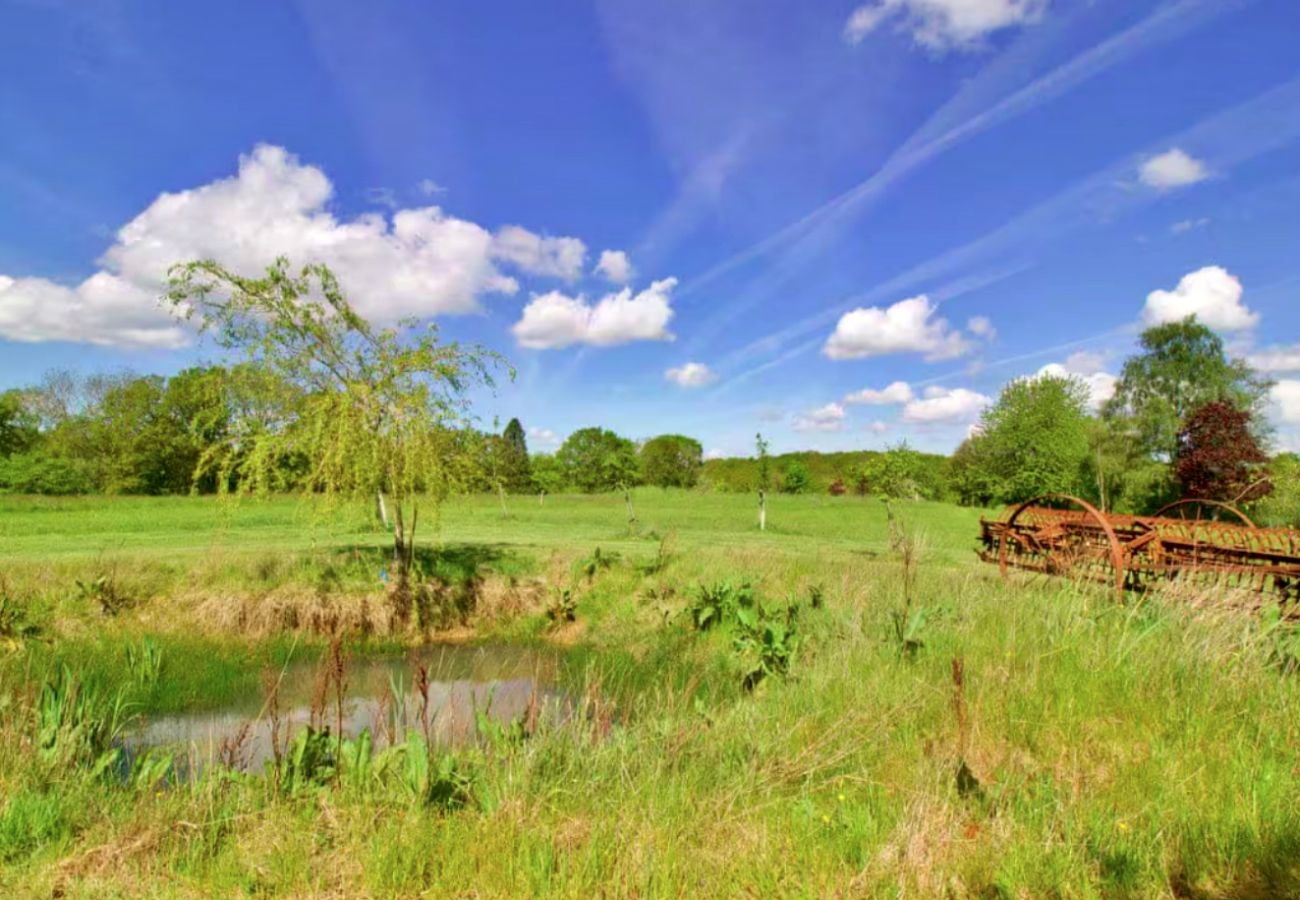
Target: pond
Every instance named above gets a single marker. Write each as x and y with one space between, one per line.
501 683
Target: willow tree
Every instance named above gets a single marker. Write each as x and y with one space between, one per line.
380 411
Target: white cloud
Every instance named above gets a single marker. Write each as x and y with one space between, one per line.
982 327
1172 169
1212 294
543 437
715 453
552 320
614 266
1276 359
899 392
824 418
417 262
1100 385
944 405
944 24
1085 362
381 196
562 257
691 375
1285 398
879 427
908 326
1187 225
428 187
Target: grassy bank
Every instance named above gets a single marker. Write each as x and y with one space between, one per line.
1087 748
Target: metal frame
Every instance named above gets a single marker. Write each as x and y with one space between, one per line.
1058 534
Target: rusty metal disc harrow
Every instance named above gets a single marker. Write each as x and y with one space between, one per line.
1198 541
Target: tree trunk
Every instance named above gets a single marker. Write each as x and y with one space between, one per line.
383 510
631 513
762 510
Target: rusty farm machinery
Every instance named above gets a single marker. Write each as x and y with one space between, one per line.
1192 541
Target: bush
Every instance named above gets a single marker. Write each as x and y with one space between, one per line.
797 479
37 473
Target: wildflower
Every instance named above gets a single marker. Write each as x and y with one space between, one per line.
826 819
841 798
1122 825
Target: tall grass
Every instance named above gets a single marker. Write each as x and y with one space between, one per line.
1145 749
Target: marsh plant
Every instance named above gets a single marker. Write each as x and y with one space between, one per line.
144 662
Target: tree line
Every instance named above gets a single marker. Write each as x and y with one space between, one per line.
1185 420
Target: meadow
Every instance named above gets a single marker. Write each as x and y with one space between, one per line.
845 704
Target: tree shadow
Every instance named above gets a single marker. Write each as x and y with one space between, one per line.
449 563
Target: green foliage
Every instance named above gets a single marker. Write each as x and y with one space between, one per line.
18 424
1281 636
144 662
1182 367
671 460
563 607
548 473
516 472
897 473
29 820
765 637
78 724
1034 439
379 408
16 625
309 762
595 460
38 472
720 602
441 781
764 470
103 590
741 475
588 567
796 479
1282 506
970 475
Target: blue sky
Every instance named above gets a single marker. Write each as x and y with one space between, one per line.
844 224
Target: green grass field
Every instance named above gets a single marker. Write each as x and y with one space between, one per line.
1093 749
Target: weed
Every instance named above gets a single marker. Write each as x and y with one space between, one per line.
309 762
104 591
16 628
908 621
438 780
598 562
563 607
716 603
663 555
144 662
1281 636
78 724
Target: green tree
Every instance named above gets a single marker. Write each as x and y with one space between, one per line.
380 409
548 473
1181 368
970 473
897 473
671 460
796 479
516 470
764 469
19 424
596 459
1034 439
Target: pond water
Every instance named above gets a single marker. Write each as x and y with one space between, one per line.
502 683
